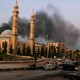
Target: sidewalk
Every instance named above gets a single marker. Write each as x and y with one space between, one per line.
16 65
13 65
4 67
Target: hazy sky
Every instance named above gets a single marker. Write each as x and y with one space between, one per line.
70 9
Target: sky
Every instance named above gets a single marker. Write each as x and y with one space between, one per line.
69 9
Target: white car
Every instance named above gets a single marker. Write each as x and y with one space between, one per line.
50 65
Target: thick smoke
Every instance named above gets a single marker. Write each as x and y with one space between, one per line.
56 28
23 26
52 25
44 25
41 40
4 26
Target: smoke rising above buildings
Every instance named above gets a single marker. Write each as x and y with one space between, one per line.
52 25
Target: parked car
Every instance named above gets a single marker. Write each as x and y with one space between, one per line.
50 64
70 65
77 68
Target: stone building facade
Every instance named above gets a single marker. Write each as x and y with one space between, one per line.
10 37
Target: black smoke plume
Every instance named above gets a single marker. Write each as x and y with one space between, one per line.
4 26
53 25
23 26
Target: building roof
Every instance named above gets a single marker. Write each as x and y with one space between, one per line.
6 32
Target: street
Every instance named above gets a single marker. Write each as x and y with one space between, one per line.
19 64
20 71
26 74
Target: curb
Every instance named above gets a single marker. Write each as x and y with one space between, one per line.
12 69
22 68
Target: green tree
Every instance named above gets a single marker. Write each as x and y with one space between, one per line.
0 50
62 53
38 52
77 54
24 50
49 54
58 52
5 48
11 50
52 51
28 51
42 50
35 56
45 52
70 54
18 51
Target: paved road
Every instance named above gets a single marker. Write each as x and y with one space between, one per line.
11 66
26 75
20 64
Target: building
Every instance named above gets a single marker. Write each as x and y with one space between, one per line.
56 47
32 41
5 37
57 44
10 37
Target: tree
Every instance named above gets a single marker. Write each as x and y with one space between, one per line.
11 50
58 52
18 51
70 54
0 50
45 52
62 53
54 51
5 47
49 54
77 54
35 57
24 50
28 51
42 51
38 52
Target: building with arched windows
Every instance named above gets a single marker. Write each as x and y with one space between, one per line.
5 37
10 38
